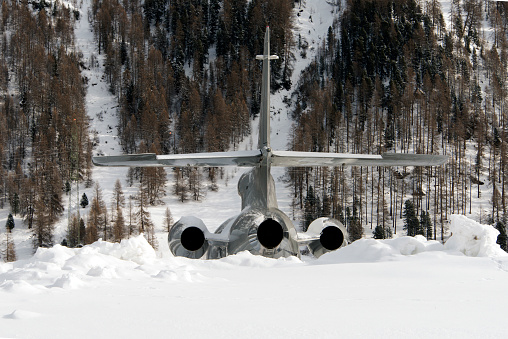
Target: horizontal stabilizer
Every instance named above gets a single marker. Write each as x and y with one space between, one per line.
215 159
277 158
297 159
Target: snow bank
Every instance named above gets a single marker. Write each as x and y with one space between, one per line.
468 237
68 268
248 259
74 268
135 249
472 238
371 250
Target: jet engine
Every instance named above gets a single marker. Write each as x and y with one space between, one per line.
328 235
269 233
187 238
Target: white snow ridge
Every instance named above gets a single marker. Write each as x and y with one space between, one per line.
371 288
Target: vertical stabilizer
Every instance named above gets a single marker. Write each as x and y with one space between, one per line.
265 190
264 120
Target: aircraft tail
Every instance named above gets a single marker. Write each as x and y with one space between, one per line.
264 157
264 119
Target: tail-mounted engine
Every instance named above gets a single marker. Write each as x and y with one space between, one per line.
187 238
269 233
326 235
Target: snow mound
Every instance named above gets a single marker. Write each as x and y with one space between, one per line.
472 238
362 250
135 249
20 286
104 272
74 268
134 259
469 237
185 276
69 282
371 250
248 259
414 245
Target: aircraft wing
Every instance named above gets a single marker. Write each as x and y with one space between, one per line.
214 159
303 159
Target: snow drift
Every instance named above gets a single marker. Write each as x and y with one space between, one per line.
472 238
124 286
468 237
67 268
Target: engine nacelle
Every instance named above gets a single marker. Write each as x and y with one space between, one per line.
187 238
332 235
269 233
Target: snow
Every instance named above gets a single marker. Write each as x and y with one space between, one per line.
468 237
472 238
371 288
403 287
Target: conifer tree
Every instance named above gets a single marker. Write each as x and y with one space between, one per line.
142 214
195 185
92 228
379 232
382 232
131 219
96 217
411 223
15 203
118 196
150 235
84 201
8 248
73 232
180 189
168 219
153 181
425 225
42 230
82 232
9 225
312 208
145 224
106 226
502 238
355 229
119 226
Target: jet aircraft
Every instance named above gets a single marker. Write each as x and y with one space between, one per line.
261 227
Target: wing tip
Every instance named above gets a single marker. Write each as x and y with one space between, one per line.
417 159
123 160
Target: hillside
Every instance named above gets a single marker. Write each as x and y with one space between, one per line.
402 287
136 81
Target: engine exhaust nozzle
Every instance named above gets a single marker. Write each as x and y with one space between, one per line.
270 233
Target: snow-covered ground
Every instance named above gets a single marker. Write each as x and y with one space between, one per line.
402 288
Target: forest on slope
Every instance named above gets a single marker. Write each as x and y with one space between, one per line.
394 77
391 76
43 123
